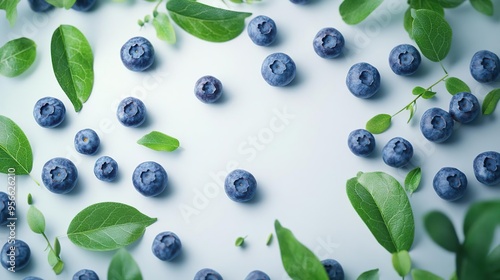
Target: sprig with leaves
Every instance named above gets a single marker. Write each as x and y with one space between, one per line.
36 222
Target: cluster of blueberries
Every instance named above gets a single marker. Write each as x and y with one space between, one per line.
436 124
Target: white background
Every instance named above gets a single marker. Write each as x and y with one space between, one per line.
301 162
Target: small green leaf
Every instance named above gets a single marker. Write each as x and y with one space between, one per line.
412 180
67 4
483 6
419 274
55 262
441 230
411 107
107 226
455 85
57 246
408 22
450 3
490 101
164 28
16 56
36 220
428 94
418 90
10 7
269 239
432 33
15 149
123 267
30 199
73 64
159 141
369 275
383 205
432 5
206 22
355 11
401 262
58 267
239 241
299 262
379 123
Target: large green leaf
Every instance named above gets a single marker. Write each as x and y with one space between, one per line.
16 56
355 11
382 204
441 230
206 22
432 33
483 6
15 149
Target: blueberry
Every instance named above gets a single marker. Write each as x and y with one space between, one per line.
397 152
87 141
137 54
487 168
207 274
363 80
49 112
328 42
15 255
208 89
333 269
106 169
436 125
404 59
361 142
464 107
278 69
166 246
83 5
300 2
32 278
450 183
85 274
262 30
131 112
485 66
149 178
240 185
40 6
4 208
257 275
59 175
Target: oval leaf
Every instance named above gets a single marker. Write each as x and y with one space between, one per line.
355 11
382 204
412 180
379 123
159 141
432 5
441 230
299 262
419 274
73 64
428 94
123 267
432 33
401 262
15 149
483 6
239 241
418 90
164 28
10 7
450 3
36 220
480 232
107 226
206 22
16 56
269 239
369 275
455 85
490 101
62 3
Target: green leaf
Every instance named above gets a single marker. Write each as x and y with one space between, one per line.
480 234
412 180
369 275
379 123
476 210
490 101
159 141
411 107
30 199
55 262
408 22
299 262
239 241
432 33
15 149
483 6
36 220
418 90
428 94
382 204
206 22
164 28
107 226
493 263
355 11
16 56
419 274
441 230
73 64
450 3
58 267
10 7
401 262
432 5
269 239
57 246
455 85
62 3
123 267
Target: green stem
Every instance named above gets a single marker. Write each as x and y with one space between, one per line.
155 10
48 242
